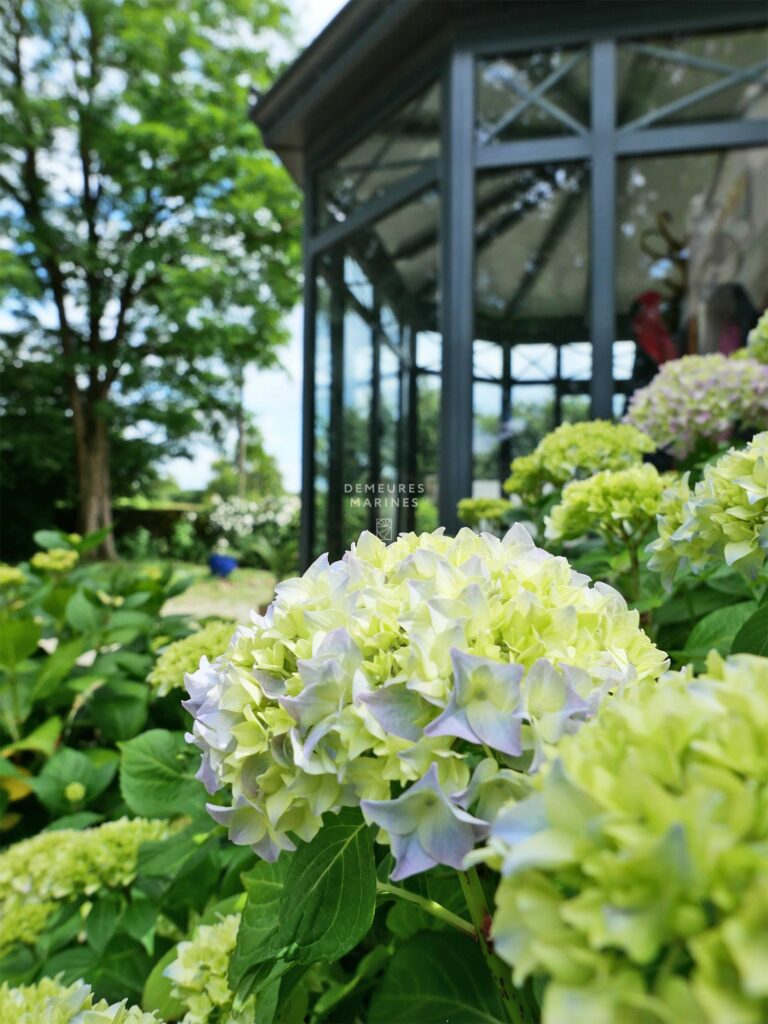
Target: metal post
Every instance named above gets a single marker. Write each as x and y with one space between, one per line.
603 225
457 285
307 530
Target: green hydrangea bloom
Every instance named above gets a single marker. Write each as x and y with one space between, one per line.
184 655
757 342
38 873
199 975
635 876
618 505
574 451
701 399
10 576
478 511
367 675
55 560
48 1001
724 517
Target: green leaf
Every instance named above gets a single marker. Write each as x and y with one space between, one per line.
717 630
81 614
81 820
18 639
264 890
58 666
119 709
157 775
752 637
157 991
437 977
92 540
103 919
68 766
42 740
325 907
48 539
367 968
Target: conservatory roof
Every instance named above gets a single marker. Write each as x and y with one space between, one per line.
370 43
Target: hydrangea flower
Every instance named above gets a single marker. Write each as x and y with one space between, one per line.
199 975
757 342
618 505
574 451
724 517
55 560
701 399
10 576
634 875
38 873
484 512
48 1001
367 679
184 655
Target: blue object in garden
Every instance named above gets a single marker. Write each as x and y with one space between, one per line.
222 565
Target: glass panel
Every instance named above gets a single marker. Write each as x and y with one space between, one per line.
533 416
534 362
487 357
377 426
401 145
427 452
692 267
486 411
694 78
532 297
531 95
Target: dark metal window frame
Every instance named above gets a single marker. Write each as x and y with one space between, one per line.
454 173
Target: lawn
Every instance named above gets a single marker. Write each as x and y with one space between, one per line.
246 590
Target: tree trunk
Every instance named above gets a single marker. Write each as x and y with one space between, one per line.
241 439
95 489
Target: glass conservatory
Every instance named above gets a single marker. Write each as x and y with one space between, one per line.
514 214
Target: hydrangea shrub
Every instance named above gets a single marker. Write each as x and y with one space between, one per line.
39 873
701 399
184 655
618 505
757 342
574 451
634 876
408 679
48 1001
723 518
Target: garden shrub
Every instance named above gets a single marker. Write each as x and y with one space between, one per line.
574 451
634 876
39 873
48 1001
701 402
485 513
618 506
184 655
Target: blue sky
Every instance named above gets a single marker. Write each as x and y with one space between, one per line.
272 396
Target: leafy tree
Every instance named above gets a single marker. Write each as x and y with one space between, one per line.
254 473
152 240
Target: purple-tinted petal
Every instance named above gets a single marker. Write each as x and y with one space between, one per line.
410 858
498 730
396 709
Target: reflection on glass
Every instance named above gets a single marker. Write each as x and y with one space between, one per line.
537 94
322 413
713 77
692 268
378 404
531 300
401 145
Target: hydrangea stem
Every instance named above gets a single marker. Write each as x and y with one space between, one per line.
428 906
500 972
